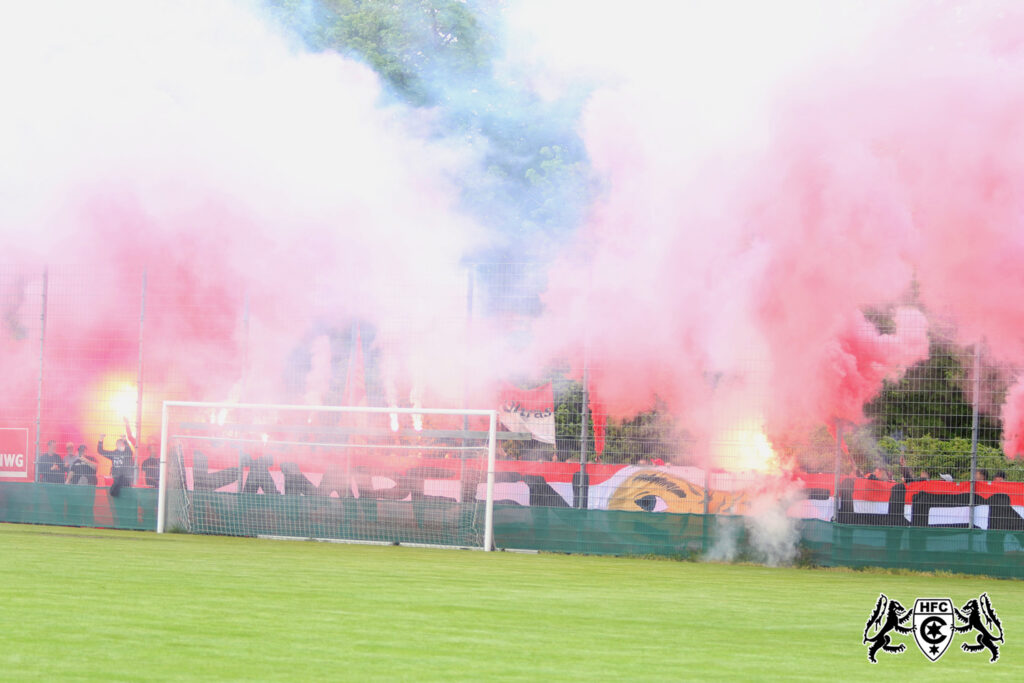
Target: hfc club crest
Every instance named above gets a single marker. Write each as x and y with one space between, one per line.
934 622
933 626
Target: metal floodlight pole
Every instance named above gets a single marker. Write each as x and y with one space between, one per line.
42 347
838 461
974 427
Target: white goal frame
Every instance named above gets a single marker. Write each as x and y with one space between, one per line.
161 518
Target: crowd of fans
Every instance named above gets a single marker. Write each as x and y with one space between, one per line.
78 467
908 476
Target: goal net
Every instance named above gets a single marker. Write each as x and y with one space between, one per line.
371 475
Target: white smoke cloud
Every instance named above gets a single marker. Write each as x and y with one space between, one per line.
191 138
766 533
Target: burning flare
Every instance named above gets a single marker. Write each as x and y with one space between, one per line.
744 447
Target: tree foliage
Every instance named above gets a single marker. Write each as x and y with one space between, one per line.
930 400
536 180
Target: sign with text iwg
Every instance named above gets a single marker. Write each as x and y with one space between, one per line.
14 458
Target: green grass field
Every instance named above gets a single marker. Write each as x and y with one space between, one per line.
92 604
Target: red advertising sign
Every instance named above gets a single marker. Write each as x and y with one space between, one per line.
14 458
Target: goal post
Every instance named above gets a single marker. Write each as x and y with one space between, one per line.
416 476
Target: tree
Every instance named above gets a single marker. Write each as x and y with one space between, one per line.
440 54
929 400
407 42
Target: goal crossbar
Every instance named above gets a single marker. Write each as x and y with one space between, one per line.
491 434
330 409
362 431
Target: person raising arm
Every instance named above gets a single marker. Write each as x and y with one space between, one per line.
122 464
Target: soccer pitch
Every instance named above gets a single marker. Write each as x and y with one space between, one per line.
114 605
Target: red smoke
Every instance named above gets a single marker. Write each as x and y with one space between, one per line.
1013 430
849 369
745 263
266 192
722 269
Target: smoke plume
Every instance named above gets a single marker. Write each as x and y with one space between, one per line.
762 186
268 192
771 534
765 171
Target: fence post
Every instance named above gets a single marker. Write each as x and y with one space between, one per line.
839 455
465 418
161 494
974 428
707 482
713 379
42 346
138 384
581 489
244 392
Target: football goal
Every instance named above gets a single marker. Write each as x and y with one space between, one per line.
356 474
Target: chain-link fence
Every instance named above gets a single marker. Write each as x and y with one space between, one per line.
89 355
